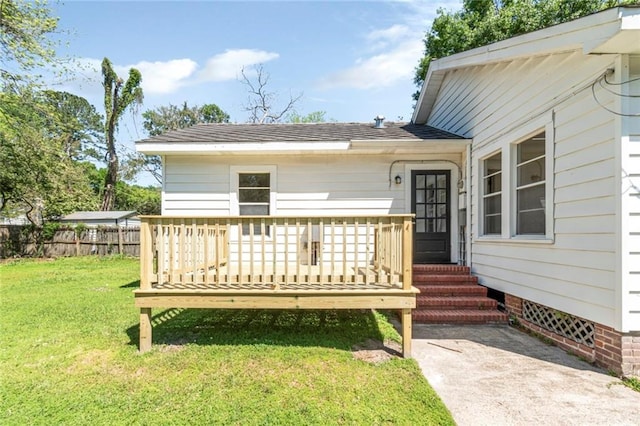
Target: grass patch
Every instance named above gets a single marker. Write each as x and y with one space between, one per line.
632 382
68 355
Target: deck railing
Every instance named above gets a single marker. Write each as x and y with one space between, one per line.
272 251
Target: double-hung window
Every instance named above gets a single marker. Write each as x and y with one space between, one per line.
492 194
254 195
530 187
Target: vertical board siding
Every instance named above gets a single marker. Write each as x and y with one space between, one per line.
574 272
631 203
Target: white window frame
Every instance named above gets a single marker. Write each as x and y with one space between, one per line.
507 143
483 195
517 187
234 174
547 236
234 199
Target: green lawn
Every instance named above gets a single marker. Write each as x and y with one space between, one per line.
68 355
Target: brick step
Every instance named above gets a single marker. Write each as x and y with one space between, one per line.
458 317
441 269
444 279
448 303
451 290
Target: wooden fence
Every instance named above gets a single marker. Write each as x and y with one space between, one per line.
18 240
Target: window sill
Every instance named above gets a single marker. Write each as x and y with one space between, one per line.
515 240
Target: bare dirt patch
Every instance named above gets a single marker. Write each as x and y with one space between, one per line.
376 352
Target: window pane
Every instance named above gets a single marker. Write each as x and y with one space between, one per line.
492 205
531 198
419 196
431 196
431 211
254 210
254 195
531 172
442 181
493 224
431 181
441 225
442 210
531 210
420 210
442 195
420 225
531 222
493 164
493 184
259 180
420 181
531 148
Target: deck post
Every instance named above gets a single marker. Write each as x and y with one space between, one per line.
407 254
406 333
145 330
146 255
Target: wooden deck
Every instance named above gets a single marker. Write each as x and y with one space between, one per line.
276 263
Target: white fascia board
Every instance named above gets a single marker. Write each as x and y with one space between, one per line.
156 148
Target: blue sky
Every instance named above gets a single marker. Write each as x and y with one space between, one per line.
354 60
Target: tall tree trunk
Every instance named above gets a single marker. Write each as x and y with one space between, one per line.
111 178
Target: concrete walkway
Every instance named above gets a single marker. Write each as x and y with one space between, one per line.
497 375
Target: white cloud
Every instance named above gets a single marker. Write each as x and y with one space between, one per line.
227 65
393 52
161 77
164 77
381 70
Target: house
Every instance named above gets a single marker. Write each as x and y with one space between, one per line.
298 216
102 218
553 173
522 162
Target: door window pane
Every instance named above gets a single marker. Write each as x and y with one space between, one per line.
431 181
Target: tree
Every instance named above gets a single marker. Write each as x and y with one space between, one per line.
37 176
164 119
172 117
482 22
76 124
25 27
260 104
312 117
118 96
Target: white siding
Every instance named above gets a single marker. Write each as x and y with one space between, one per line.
306 185
496 105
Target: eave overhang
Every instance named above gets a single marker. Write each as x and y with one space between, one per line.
299 148
613 31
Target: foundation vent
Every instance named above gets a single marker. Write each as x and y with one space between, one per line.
574 328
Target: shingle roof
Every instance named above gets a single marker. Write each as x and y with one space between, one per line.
307 132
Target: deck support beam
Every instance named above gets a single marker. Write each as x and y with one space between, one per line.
145 330
406 333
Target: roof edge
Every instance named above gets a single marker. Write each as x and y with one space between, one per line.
568 36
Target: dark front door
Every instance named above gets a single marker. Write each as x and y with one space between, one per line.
430 202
